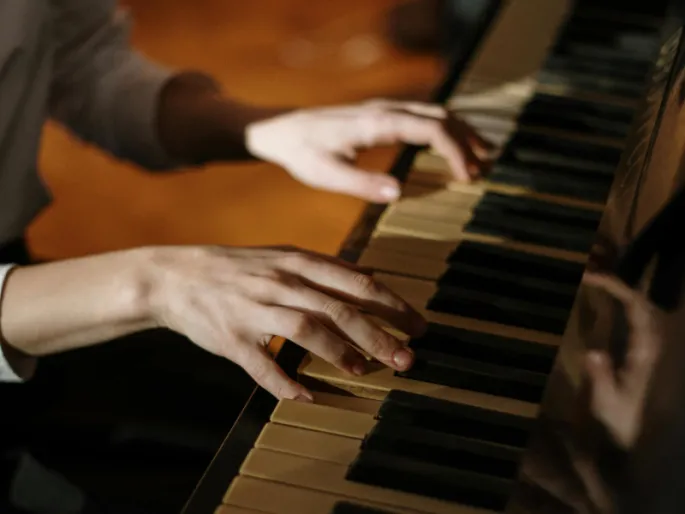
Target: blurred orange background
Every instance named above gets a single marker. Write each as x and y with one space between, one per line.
278 52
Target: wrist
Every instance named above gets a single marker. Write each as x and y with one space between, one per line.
151 289
198 124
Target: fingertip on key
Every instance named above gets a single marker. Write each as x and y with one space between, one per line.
403 358
304 397
359 368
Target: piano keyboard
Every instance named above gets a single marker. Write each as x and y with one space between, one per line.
494 266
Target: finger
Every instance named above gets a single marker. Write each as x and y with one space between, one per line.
434 111
329 258
356 288
481 146
341 177
304 329
480 143
639 311
263 369
422 131
604 387
346 320
613 286
643 351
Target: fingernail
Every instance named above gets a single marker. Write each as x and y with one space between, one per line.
403 358
390 192
305 398
594 357
359 368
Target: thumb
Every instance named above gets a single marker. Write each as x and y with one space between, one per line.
335 175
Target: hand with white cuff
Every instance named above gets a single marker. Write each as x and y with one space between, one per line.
229 301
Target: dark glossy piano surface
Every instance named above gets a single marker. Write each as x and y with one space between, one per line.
499 412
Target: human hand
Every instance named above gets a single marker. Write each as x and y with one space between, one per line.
232 301
618 397
318 146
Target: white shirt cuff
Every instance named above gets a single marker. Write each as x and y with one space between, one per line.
13 367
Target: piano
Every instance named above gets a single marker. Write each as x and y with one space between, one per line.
583 101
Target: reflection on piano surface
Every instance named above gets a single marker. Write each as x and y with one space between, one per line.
533 391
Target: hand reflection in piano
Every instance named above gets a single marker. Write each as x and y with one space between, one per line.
568 467
617 397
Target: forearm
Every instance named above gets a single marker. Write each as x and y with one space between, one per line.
198 124
53 307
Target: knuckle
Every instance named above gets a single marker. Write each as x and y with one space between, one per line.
366 284
339 312
377 120
381 343
435 127
265 286
298 261
302 327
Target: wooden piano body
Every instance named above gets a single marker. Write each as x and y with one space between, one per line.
495 416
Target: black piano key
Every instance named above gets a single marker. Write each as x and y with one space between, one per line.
589 50
553 181
486 348
595 83
560 63
617 40
409 409
530 288
557 270
575 115
555 152
343 507
447 370
450 450
582 218
498 309
646 11
534 221
513 274
440 482
520 228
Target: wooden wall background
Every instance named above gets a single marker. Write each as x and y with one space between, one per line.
292 52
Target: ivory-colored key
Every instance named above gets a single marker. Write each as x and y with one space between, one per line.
394 262
308 443
275 498
459 211
340 421
330 478
441 249
379 380
395 224
232 509
397 263
349 403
